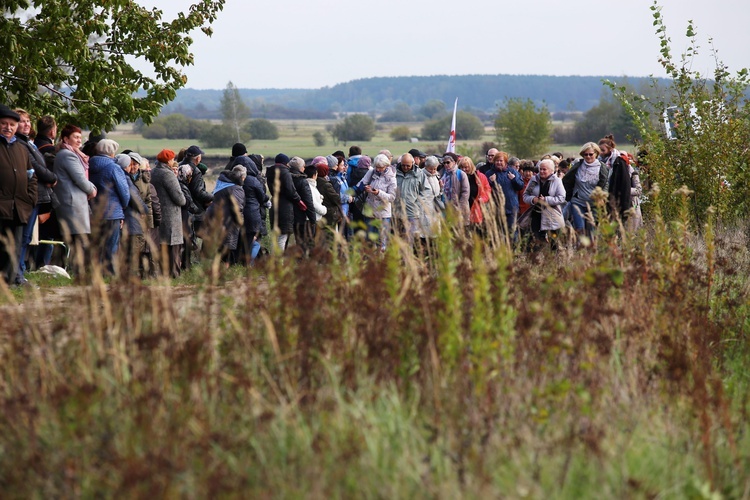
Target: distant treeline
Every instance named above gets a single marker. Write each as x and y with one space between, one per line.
378 95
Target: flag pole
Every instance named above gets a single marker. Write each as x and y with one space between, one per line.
452 139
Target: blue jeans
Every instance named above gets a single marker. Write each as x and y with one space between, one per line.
380 227
578 217
111 243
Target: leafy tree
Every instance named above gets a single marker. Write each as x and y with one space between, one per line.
154 131
401 133
522 127
400 113
319 138
355 128
710 155
262 130
217 136
468 127
609 116
234 111
71 58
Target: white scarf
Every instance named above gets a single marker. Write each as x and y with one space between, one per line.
590 171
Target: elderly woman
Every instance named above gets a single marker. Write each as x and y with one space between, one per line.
546 195
113 197
455 186
171 201
379 187
331 195
479 191
135 213
431 199
410 184
72 193
580 181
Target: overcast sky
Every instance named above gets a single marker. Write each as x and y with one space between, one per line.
316 43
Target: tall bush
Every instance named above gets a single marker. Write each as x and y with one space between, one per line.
709 154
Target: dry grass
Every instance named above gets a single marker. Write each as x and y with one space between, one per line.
620 371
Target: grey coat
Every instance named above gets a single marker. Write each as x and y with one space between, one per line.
171 199
552 218
72 191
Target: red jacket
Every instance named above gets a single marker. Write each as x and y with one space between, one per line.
482 197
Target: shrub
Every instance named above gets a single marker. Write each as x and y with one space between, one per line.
401 133
262 130
355 128
319 138
218 136
468 127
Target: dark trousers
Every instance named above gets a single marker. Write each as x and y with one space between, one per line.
11 236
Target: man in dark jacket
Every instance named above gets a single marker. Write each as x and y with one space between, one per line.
284 198
17 192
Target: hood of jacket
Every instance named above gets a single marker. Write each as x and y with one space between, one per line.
249 164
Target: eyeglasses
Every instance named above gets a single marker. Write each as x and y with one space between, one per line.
589 154
447 160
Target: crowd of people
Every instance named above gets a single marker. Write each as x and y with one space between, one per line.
113 208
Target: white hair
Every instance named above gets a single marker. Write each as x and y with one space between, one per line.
431 161
381 161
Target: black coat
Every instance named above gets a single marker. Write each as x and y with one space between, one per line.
331 200
303 189
45 177
255 197
619 188
284 197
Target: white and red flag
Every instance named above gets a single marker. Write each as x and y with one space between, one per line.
452 139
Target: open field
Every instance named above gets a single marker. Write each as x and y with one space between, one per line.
621 371
296 140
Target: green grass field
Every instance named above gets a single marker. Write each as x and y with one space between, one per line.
296 140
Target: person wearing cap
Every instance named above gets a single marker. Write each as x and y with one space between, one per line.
256 200
113 197
171 201
418 156
201 198
18 187
284 198
331 196
135 212
305 219
238 150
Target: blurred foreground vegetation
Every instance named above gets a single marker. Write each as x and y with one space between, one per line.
617 370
